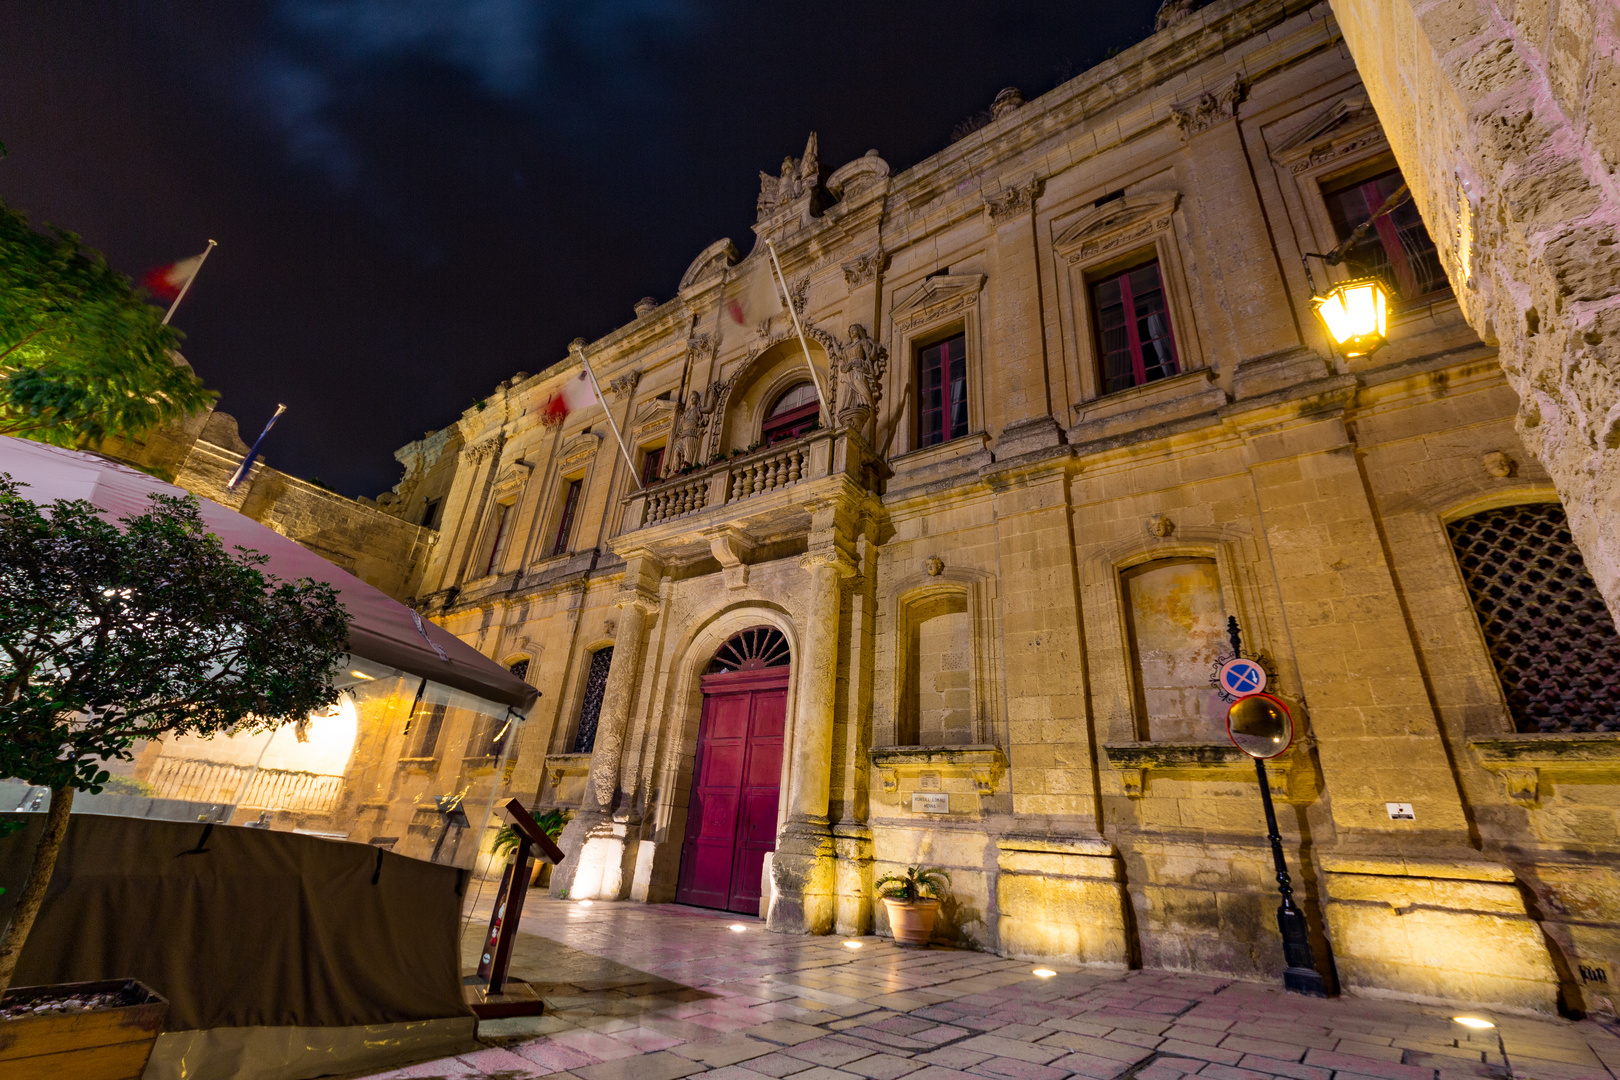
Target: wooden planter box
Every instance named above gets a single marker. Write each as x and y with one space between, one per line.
100 1044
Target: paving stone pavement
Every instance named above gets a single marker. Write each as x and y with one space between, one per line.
660 992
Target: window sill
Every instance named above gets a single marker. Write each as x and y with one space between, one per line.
942 461
1291 774
419 764
561 765
1522 761
903 766
1187 394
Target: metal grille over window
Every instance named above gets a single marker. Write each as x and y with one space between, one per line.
1551 638
752 649
590 710
520 669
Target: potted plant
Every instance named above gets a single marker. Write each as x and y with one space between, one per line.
112 634
551 823
912 899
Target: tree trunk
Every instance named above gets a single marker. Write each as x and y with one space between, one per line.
39 879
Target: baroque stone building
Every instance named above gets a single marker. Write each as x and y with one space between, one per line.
1078 416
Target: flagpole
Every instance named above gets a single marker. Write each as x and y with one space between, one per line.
212 244
578 347
247 462
811 364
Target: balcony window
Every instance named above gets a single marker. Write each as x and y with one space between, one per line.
1396 248
942 412
796 413
565 520
652 463
497 543
1133 329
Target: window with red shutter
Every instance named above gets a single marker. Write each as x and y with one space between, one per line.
1133 329
942 412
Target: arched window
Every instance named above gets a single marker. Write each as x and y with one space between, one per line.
751 649
794 414
1550 636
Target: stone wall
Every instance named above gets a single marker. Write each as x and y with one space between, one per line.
1505 117
202 453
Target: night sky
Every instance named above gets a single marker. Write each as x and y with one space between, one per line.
416 198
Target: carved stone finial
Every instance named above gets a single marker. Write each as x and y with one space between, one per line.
1499 465
645 306
1009 99
1160 525
935 566
1174 12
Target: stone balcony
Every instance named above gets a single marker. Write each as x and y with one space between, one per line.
746 501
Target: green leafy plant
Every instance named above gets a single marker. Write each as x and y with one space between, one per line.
551 823
83 356
111 634
916 883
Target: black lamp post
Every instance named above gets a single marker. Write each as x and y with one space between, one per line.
1261 727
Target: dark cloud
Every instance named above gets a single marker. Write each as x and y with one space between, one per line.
415 198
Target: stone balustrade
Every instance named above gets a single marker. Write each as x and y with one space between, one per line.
736 479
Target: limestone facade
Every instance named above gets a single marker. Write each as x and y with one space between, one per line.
1505 117
1003 557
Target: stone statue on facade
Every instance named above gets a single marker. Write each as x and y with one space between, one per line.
858 376
688 434
799 177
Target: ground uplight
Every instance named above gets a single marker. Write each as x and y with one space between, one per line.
1476 1022
852 944
1044 973
738 927
585 903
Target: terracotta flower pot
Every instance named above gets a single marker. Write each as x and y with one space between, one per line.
93 1044
911 920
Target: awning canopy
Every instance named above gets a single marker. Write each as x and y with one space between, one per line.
380 628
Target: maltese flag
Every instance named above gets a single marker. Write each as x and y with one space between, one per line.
170 281
577 393
759 300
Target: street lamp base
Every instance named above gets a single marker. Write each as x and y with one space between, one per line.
1305 981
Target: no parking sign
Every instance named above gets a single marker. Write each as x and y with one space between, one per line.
1240 677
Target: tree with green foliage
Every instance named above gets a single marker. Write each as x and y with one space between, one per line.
112 634
82 354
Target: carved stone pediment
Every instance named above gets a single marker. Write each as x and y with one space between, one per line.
1209 108
937 297
651 418
579 448
510 480
857 176
710 263
1116 223
1346 126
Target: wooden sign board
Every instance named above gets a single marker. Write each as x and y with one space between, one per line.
490 994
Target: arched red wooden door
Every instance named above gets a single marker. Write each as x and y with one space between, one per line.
731 819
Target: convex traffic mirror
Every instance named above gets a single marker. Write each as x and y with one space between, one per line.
1260 725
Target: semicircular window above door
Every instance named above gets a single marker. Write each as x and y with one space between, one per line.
752 649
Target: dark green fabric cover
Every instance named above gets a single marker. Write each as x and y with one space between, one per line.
259 928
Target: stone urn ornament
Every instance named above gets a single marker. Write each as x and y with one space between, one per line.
912 899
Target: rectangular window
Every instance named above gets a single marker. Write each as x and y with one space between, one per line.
1133 329
433 513
590 708
488 733
565 524
422 730
503 514
942 413
1177 626
652 462
1395 246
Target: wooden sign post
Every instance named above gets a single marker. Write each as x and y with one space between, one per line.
490 993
